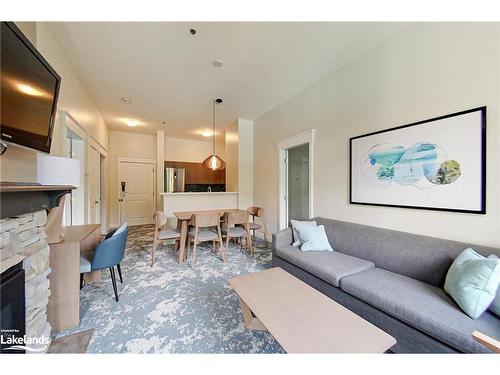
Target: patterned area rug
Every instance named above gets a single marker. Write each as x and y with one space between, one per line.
171 308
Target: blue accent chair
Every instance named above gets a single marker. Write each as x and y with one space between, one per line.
108 254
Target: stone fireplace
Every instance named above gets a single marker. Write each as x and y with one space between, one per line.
23 238
23 241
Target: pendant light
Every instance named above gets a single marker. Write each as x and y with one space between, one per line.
214 162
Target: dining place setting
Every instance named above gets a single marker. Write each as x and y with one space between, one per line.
218 227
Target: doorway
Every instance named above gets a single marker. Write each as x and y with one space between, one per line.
75 143
295 178
298 182
94 159
136 191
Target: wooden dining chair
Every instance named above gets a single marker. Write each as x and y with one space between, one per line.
159 220
257 212
237 225
203 231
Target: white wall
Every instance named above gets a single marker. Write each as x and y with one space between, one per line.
126 145
191 150
232 138
19 164
239 160
425 71
245 163
160 167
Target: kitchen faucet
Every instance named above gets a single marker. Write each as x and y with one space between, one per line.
209 189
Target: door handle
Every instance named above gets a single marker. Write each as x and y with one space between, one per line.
120 200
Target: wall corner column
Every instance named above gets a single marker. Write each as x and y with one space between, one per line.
160 162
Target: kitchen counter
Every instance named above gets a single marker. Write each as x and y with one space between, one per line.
177 202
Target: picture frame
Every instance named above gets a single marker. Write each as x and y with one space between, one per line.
435 164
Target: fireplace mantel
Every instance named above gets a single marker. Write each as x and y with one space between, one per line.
18 199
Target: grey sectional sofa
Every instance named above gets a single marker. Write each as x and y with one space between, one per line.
392 279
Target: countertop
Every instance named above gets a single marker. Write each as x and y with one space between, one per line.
201 193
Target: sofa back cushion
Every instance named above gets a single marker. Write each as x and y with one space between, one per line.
423 258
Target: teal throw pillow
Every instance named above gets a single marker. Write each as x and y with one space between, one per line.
314 238
472 281
297 224
495 306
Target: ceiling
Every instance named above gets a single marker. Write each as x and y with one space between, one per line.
169 76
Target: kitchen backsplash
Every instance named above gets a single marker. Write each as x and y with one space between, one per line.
198 188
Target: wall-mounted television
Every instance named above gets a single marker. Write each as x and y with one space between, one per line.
29 88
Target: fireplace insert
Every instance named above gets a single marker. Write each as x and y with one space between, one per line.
13 308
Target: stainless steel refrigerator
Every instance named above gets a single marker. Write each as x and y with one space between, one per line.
174 180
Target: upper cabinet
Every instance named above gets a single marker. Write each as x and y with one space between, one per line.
195 173
216 177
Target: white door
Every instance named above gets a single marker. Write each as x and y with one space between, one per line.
94 186
136 181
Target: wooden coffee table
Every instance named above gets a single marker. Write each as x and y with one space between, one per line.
302 319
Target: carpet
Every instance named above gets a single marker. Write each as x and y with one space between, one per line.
170 308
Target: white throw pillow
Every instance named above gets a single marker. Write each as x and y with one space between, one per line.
119 230
297 224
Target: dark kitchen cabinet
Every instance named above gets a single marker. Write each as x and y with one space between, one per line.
216 177
221 176
196 174
210 177
200 173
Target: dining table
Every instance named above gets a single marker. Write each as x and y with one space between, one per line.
184 219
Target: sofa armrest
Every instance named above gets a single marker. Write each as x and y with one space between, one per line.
282 238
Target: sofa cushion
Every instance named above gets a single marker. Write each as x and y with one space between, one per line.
329 266
422 306
421 257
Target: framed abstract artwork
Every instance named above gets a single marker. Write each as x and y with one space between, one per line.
435 164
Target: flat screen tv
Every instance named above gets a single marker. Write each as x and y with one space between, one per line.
29 91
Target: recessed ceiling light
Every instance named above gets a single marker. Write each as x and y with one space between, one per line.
218 63
126 100
206 133
131 122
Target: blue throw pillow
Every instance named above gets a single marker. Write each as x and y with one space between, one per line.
472 281
495 306
314 238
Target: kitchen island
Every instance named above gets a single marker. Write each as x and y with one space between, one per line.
175 202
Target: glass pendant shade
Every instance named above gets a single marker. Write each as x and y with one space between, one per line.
214 163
